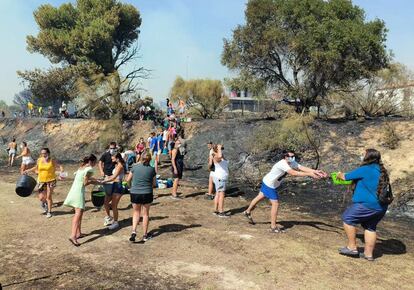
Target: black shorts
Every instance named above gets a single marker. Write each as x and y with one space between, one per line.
142 198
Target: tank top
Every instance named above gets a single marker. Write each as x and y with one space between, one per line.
46 170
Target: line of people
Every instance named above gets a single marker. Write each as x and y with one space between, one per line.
367 209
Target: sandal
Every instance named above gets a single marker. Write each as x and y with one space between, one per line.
75 243
362 256
348 252
249 217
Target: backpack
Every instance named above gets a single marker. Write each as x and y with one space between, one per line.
130 161
385 195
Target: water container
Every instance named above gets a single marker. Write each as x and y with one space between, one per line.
98 196
25 185
169 182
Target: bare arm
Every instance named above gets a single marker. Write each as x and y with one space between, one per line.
154 182
128 178
100 166
117 172
340 176
173 156
319 173
88 179
301 173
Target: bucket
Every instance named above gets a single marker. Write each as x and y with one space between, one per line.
25 185
98 196
169 182
337 181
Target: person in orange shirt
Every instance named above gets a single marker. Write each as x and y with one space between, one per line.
46 170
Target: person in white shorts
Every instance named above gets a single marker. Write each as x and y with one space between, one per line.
27 160
272 181
220 176
12 149
209 194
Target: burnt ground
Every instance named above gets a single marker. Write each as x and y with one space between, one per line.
193 249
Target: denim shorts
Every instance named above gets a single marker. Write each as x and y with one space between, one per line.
270 193
366 217
220 184
111 188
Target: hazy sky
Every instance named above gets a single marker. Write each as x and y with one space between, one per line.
176 35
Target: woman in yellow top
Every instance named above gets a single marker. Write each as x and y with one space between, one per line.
46 168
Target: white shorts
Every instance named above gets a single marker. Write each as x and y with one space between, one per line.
27 160
220 184
12 152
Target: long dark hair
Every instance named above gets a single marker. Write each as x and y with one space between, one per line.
373 156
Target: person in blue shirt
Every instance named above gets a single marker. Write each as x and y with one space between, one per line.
366 209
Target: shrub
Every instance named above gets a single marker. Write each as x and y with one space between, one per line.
391 138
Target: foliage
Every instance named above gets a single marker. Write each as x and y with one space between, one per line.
292 132
306 48
94 37
50 87
204 97
391 138
247 82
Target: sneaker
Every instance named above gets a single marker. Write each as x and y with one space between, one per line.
215 213
108 221
249 217
209 196
146 237
222 215
43 205
114 226
132 238
176 197
49 215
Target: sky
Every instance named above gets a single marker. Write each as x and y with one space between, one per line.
178 37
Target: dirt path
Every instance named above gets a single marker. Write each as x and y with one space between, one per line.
191 248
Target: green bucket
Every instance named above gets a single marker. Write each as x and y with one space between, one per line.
337 181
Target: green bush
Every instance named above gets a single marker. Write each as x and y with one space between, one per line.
293 132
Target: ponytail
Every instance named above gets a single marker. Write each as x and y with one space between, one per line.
384 179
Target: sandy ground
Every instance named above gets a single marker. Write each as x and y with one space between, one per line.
191 248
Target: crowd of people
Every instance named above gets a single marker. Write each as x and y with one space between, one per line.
135 170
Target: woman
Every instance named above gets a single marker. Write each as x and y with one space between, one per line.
142 180
27 160
140 148
116 180
366 209
76 195
46 168
177 167
220 176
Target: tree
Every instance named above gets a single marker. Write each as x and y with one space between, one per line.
95 34
51 87
306 48
204 97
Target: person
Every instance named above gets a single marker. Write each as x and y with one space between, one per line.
140 148
12 149
40 109
115 180
220 176
106 167
366 209
154 144
177 167
160 144
46 168
165 138
27 160
182 107
3 114
76 195
130 158
170 110
210 194
142 180
149 140
272 181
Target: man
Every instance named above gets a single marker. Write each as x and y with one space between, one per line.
210 194
106 167
11 148
272 181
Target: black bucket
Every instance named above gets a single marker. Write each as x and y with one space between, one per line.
25 185
98 197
